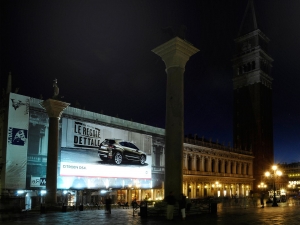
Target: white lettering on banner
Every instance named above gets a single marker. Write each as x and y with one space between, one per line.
38 182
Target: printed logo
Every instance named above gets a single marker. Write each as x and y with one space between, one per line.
17 103
38 181
17 136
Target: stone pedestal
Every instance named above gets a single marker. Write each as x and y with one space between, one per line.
54 110
175 53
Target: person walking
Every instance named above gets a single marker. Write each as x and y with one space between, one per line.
182 206
262 197
108 204
171 201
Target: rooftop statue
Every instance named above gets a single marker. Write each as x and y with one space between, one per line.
56 90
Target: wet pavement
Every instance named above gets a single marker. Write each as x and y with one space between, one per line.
284 214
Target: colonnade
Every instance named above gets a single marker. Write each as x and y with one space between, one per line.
204 163
217 188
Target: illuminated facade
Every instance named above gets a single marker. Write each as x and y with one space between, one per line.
291 181
210 169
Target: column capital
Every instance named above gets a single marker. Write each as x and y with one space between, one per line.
175 52
54 108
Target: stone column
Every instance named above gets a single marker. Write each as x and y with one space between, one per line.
202 162
54 110
234 168
223 166
209 164
175 53
194 162
185 161
250 169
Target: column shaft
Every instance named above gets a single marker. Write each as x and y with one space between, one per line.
52 159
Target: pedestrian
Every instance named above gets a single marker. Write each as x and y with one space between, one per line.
171 201
108 204
262 197
182 205
188 206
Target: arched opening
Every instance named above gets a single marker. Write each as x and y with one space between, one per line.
213 162
253 65
198 164
205 165
189 162
220 166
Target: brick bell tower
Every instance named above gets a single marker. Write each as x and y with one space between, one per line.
252 86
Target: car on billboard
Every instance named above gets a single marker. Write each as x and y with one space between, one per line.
119 150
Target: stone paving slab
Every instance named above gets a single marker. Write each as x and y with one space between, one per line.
286 215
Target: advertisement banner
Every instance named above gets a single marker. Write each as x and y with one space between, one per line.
80 156
17 143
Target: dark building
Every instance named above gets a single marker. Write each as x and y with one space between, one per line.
252 83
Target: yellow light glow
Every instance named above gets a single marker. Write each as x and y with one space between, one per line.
278 172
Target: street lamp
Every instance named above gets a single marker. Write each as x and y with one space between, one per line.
217 185
262 186
276 173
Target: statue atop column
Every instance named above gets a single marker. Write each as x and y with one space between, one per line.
56 90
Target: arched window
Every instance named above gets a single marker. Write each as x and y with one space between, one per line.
242 168
198 163
248 66
189 162
253 65
213 162
206 165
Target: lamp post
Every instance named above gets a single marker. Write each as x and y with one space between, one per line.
276 173
262 186
216 186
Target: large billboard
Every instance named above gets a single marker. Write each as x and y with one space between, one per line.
83 165
17 141
80 165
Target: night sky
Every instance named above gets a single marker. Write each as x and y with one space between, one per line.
100 52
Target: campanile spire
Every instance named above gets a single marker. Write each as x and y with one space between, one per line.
249 20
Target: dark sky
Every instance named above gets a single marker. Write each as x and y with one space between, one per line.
100 52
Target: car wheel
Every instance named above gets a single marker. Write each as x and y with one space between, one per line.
142 159
118 158
103 158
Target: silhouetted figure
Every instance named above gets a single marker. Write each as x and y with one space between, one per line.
171 201
182 206
262 197
108 204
